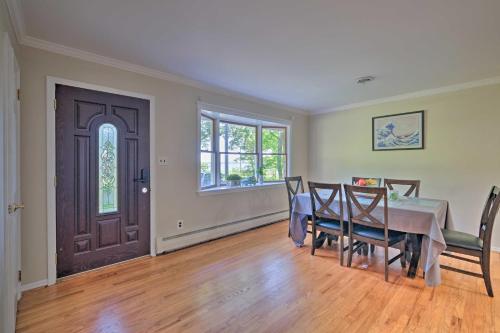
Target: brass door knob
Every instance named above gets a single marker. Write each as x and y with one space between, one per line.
13 207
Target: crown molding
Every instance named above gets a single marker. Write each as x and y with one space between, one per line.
17 18
127 66
416 94
18 22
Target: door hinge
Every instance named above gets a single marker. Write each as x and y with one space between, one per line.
19 276
55 181
55 257
55 104
18 94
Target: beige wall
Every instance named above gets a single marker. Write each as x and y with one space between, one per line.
176 126
460 163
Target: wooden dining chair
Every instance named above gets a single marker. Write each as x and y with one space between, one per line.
414 186
294 186
377 181
324 217
365 227
479 247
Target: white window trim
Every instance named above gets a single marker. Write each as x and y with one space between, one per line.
259 121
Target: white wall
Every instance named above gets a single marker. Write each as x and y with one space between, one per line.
460 163
176 116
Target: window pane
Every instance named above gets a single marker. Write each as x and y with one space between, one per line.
207 169
237 138
244 166
274 167
207 133
273 140
108 185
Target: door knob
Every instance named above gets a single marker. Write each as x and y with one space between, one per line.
13 207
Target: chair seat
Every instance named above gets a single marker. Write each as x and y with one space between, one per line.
332 224
378 234
462 239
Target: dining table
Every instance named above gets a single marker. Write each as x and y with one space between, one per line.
421 218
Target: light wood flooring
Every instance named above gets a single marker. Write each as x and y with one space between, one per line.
258 281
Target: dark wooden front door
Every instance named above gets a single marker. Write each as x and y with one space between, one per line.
102 168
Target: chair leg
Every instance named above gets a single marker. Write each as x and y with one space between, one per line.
403 257
313 243
329 240
485 267
372 248
349 254
365 249
341 249
386 262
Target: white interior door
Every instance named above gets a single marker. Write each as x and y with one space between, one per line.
11 186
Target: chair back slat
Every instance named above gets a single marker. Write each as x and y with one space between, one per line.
488 216
323 207
364 213
414 186
378 181
294 185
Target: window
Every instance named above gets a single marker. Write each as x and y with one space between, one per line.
240 151
108 187
207 152
273 153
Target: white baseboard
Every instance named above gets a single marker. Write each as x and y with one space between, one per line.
33 285
495 248
167 244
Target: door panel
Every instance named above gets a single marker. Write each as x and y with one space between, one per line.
10 257
102 146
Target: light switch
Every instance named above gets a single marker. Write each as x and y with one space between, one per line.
162 161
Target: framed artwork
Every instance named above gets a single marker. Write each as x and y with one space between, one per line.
402 131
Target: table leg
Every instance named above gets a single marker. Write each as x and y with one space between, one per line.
416 246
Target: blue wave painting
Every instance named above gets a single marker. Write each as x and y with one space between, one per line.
398 132
386 138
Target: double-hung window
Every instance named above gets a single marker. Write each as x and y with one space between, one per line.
237 149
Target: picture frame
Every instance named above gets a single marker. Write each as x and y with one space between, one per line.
401 131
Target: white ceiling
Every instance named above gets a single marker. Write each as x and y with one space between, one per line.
304 54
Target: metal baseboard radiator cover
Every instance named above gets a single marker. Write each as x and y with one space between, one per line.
177 242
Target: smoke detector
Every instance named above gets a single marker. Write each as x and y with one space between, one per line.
365 79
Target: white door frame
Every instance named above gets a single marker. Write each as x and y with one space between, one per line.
51 165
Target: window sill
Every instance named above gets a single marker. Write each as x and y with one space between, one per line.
227 189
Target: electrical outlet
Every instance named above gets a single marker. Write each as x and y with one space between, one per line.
180 224
162 161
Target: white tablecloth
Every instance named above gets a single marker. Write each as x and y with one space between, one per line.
412 215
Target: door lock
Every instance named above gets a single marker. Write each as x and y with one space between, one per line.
13 207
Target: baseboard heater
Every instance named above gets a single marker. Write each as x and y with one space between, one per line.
177 242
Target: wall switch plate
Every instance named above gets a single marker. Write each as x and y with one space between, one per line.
180 224
162 161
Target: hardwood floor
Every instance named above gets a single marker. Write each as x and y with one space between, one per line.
258 281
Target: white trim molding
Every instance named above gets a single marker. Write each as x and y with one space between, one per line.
421 93
51 165
33 285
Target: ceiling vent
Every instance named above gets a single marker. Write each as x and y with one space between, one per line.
365 79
